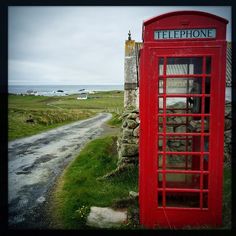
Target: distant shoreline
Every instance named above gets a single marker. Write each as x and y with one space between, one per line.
60 90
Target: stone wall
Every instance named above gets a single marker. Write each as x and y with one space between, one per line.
228 133
129 140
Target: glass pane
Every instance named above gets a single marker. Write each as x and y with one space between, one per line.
179 143
176 162
160 105
195 125
208 65
205 200
179 180
160 119
206 144
184 66
176 103
160 143
160 86
205 162
159 198
160 161
176 199
161 66
183 124
207 99
183 181
182 85
205 181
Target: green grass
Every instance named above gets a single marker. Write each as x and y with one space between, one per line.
115 121
51 112
44 119
79 189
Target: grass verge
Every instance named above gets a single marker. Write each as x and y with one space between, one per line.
42 120
78 189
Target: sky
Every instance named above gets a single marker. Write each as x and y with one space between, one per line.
78 45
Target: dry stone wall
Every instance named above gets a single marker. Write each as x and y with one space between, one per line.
128 142
228 133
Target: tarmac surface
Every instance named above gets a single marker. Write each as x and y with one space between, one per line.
35 163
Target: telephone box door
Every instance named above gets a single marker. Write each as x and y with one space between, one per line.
181 111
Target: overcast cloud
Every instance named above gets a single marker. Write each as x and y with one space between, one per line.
77 45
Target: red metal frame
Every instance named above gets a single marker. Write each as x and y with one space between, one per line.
204 179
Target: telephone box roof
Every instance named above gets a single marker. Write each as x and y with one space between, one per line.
200 13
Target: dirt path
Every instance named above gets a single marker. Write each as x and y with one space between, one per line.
36 162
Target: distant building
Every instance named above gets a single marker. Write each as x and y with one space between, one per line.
31 92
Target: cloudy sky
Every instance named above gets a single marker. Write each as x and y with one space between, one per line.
77 45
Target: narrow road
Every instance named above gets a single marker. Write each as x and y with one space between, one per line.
34 163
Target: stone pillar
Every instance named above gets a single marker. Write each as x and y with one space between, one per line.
128 141
130 75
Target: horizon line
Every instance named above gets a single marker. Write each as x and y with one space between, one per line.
57 84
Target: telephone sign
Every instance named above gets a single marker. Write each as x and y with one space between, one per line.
184 34
182 97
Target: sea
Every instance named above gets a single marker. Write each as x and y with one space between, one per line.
61 90
64 90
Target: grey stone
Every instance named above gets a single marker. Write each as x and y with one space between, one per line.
228 124
195 125
124 124
136 132
229 115
135 111
132 140
129 150
132 116
133 194
127 133
118 143
228 136
137 120
169 129
132 124
180 129
127 160
175 143
105 217
228 109
179 119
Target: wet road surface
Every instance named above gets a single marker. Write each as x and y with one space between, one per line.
35 162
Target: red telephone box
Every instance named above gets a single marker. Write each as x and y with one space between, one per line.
182 62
